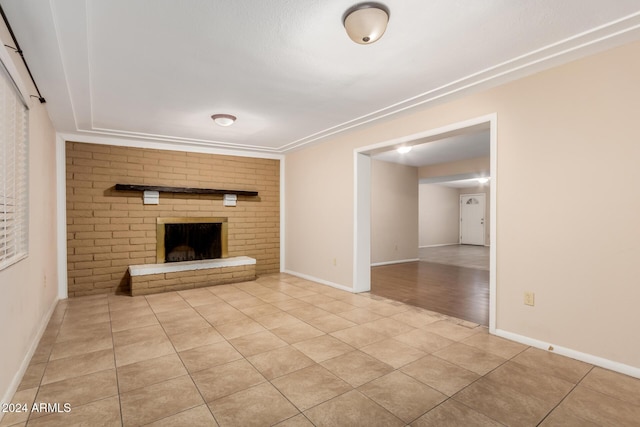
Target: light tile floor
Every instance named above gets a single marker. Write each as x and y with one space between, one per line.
469 256
286 351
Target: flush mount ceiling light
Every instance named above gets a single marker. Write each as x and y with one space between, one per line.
223 119
483 180
403 150
366 22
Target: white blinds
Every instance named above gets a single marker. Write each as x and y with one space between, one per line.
14 187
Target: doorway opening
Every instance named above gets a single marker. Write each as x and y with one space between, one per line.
440 143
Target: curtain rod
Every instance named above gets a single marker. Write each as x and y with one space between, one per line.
19 51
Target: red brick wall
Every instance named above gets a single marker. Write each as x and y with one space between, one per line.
108 230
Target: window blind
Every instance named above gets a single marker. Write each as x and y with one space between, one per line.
14 220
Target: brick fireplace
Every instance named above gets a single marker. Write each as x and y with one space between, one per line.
191 252
108 230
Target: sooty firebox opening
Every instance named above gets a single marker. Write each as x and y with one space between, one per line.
191 239
189 242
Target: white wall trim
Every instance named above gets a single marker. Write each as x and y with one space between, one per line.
189 147
439 245
61 216
17 378
321 281
399 261
574 354
493 220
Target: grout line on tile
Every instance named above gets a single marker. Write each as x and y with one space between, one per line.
116 368
64 315
562 400
275 287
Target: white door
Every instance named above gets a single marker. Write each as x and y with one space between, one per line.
472 219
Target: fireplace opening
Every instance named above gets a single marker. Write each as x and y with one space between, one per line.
189 242
191 239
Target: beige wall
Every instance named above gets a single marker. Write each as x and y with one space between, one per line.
394 212
557 130
29 289
478 165
109 230
319 212
486 190
439 215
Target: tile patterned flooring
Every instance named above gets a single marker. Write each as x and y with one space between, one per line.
289 352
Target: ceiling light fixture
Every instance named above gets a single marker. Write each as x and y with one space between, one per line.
223 119
366 22
483 180
403 150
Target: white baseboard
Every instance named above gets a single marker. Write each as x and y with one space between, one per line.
399 261
632 371
437 246
321 281
17 378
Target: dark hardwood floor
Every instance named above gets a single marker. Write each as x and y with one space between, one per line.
448 289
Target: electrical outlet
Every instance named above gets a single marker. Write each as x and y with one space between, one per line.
335 261
529 298
396 248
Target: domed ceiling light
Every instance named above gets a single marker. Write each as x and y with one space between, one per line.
223 119
366 22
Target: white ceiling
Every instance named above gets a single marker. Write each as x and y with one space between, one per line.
463 183
157 69
451 149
